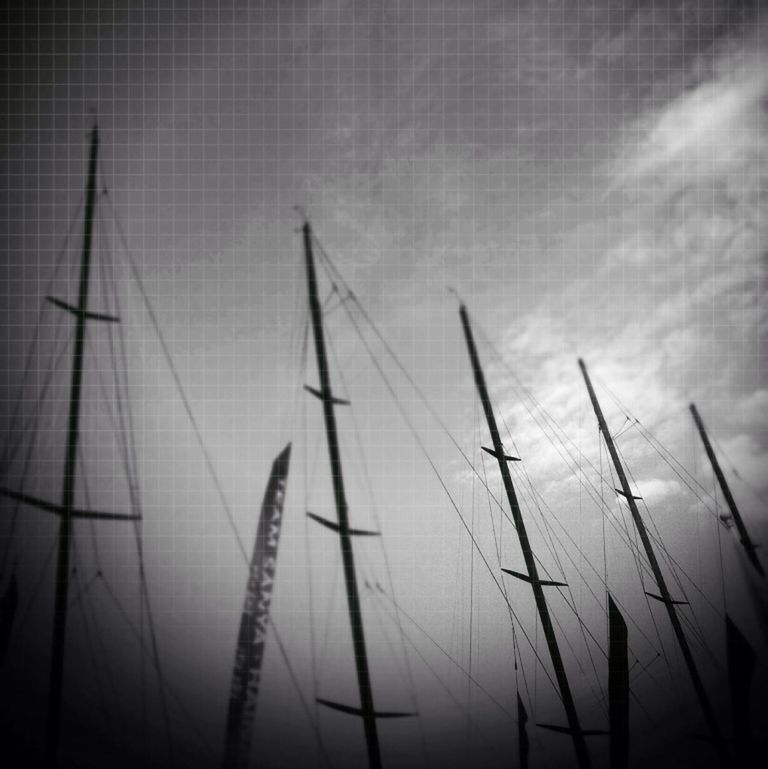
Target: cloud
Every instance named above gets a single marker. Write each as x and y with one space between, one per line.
669 312
704 135
656 490
744 454
752 409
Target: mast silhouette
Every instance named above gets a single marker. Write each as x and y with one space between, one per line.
366 711
746 542
665 596
574 727
68 491
66 510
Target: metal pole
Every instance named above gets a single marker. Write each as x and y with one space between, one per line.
666 598
579 743
68 491
347 554
746 542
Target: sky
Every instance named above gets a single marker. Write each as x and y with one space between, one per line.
588 178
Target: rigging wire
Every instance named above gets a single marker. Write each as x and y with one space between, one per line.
164 684
32 426
337 576
686 477
300 406
532 644
36 589
446 654
471 592
574 465
605 559
554 425
470 720
97 576
454 505
675 569
627 538
756 493
470 464
371 497
365 474
638 557
682 473
304 704
392 354
720 555
82 592
634 547
119 360
637 553
31 355
408 422
537 502
31 430
179 387
187 406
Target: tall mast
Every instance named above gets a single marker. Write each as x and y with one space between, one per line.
366 710
665 596
574 728
70 462
66 510
747 544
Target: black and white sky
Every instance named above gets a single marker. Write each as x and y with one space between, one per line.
589 177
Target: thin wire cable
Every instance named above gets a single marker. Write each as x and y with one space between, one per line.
162 680
447 655
179 387
378 522
190 415
30 357
456 509
304 704
126 438
468 716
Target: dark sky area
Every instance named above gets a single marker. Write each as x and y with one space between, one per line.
588 177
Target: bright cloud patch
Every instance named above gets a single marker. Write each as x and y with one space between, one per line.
706 133
667 315
655 490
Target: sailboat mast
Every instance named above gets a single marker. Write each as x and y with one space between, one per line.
747 544
68 491
666 598
347 554
574 728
